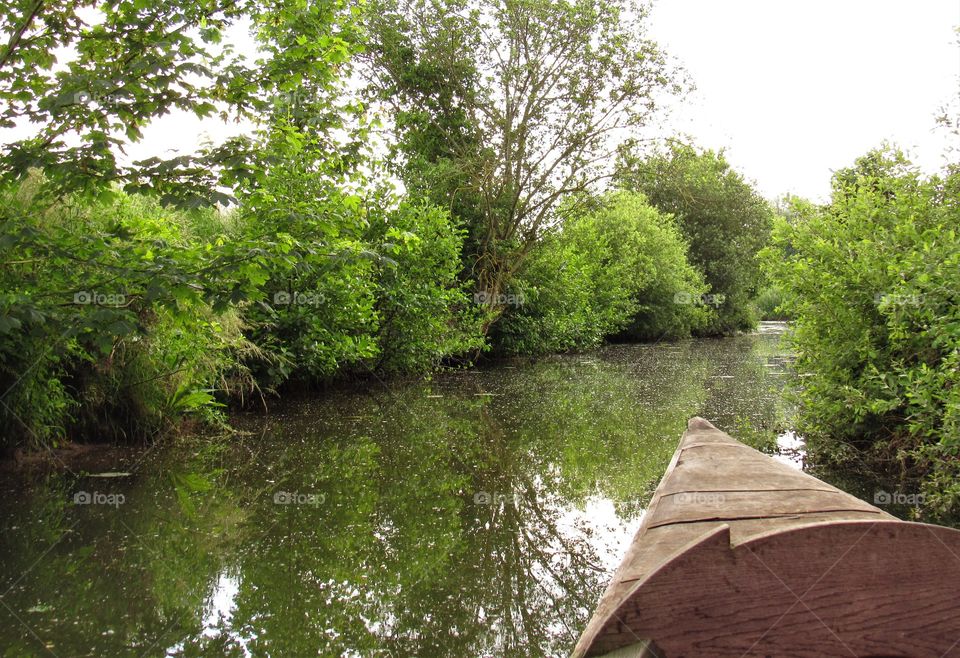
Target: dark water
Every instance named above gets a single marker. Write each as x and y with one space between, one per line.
477 514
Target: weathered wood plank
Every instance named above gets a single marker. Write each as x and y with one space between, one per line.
721 505
669 539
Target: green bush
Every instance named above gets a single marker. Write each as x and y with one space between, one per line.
424 314
107 325
351 283
873 282
621 270
314 312
768 304
120 317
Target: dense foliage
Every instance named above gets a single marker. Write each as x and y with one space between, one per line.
89 76
118 316
719 213
107 327
118 313
621 269
139 293
873 279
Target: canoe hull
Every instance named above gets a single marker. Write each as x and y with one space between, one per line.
739 555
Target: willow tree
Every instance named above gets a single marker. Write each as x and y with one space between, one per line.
503 108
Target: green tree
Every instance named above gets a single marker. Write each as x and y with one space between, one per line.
506 110
723 218
127 62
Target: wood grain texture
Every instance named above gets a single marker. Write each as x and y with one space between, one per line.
729 565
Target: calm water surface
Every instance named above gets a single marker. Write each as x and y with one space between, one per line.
477 514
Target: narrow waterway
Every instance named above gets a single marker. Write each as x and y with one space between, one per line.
477 514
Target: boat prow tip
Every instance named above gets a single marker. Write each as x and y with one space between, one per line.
698 423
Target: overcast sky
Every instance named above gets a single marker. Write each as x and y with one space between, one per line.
796 88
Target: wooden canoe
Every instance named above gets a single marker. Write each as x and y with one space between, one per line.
740 555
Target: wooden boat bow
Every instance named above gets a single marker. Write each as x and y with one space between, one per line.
740 555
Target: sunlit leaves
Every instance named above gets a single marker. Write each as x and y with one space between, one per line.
615 271
123 64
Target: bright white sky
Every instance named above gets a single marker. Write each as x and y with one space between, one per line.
794 89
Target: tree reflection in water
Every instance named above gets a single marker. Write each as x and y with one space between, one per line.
480 513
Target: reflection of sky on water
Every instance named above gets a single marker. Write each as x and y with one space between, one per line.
218 616
790 449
